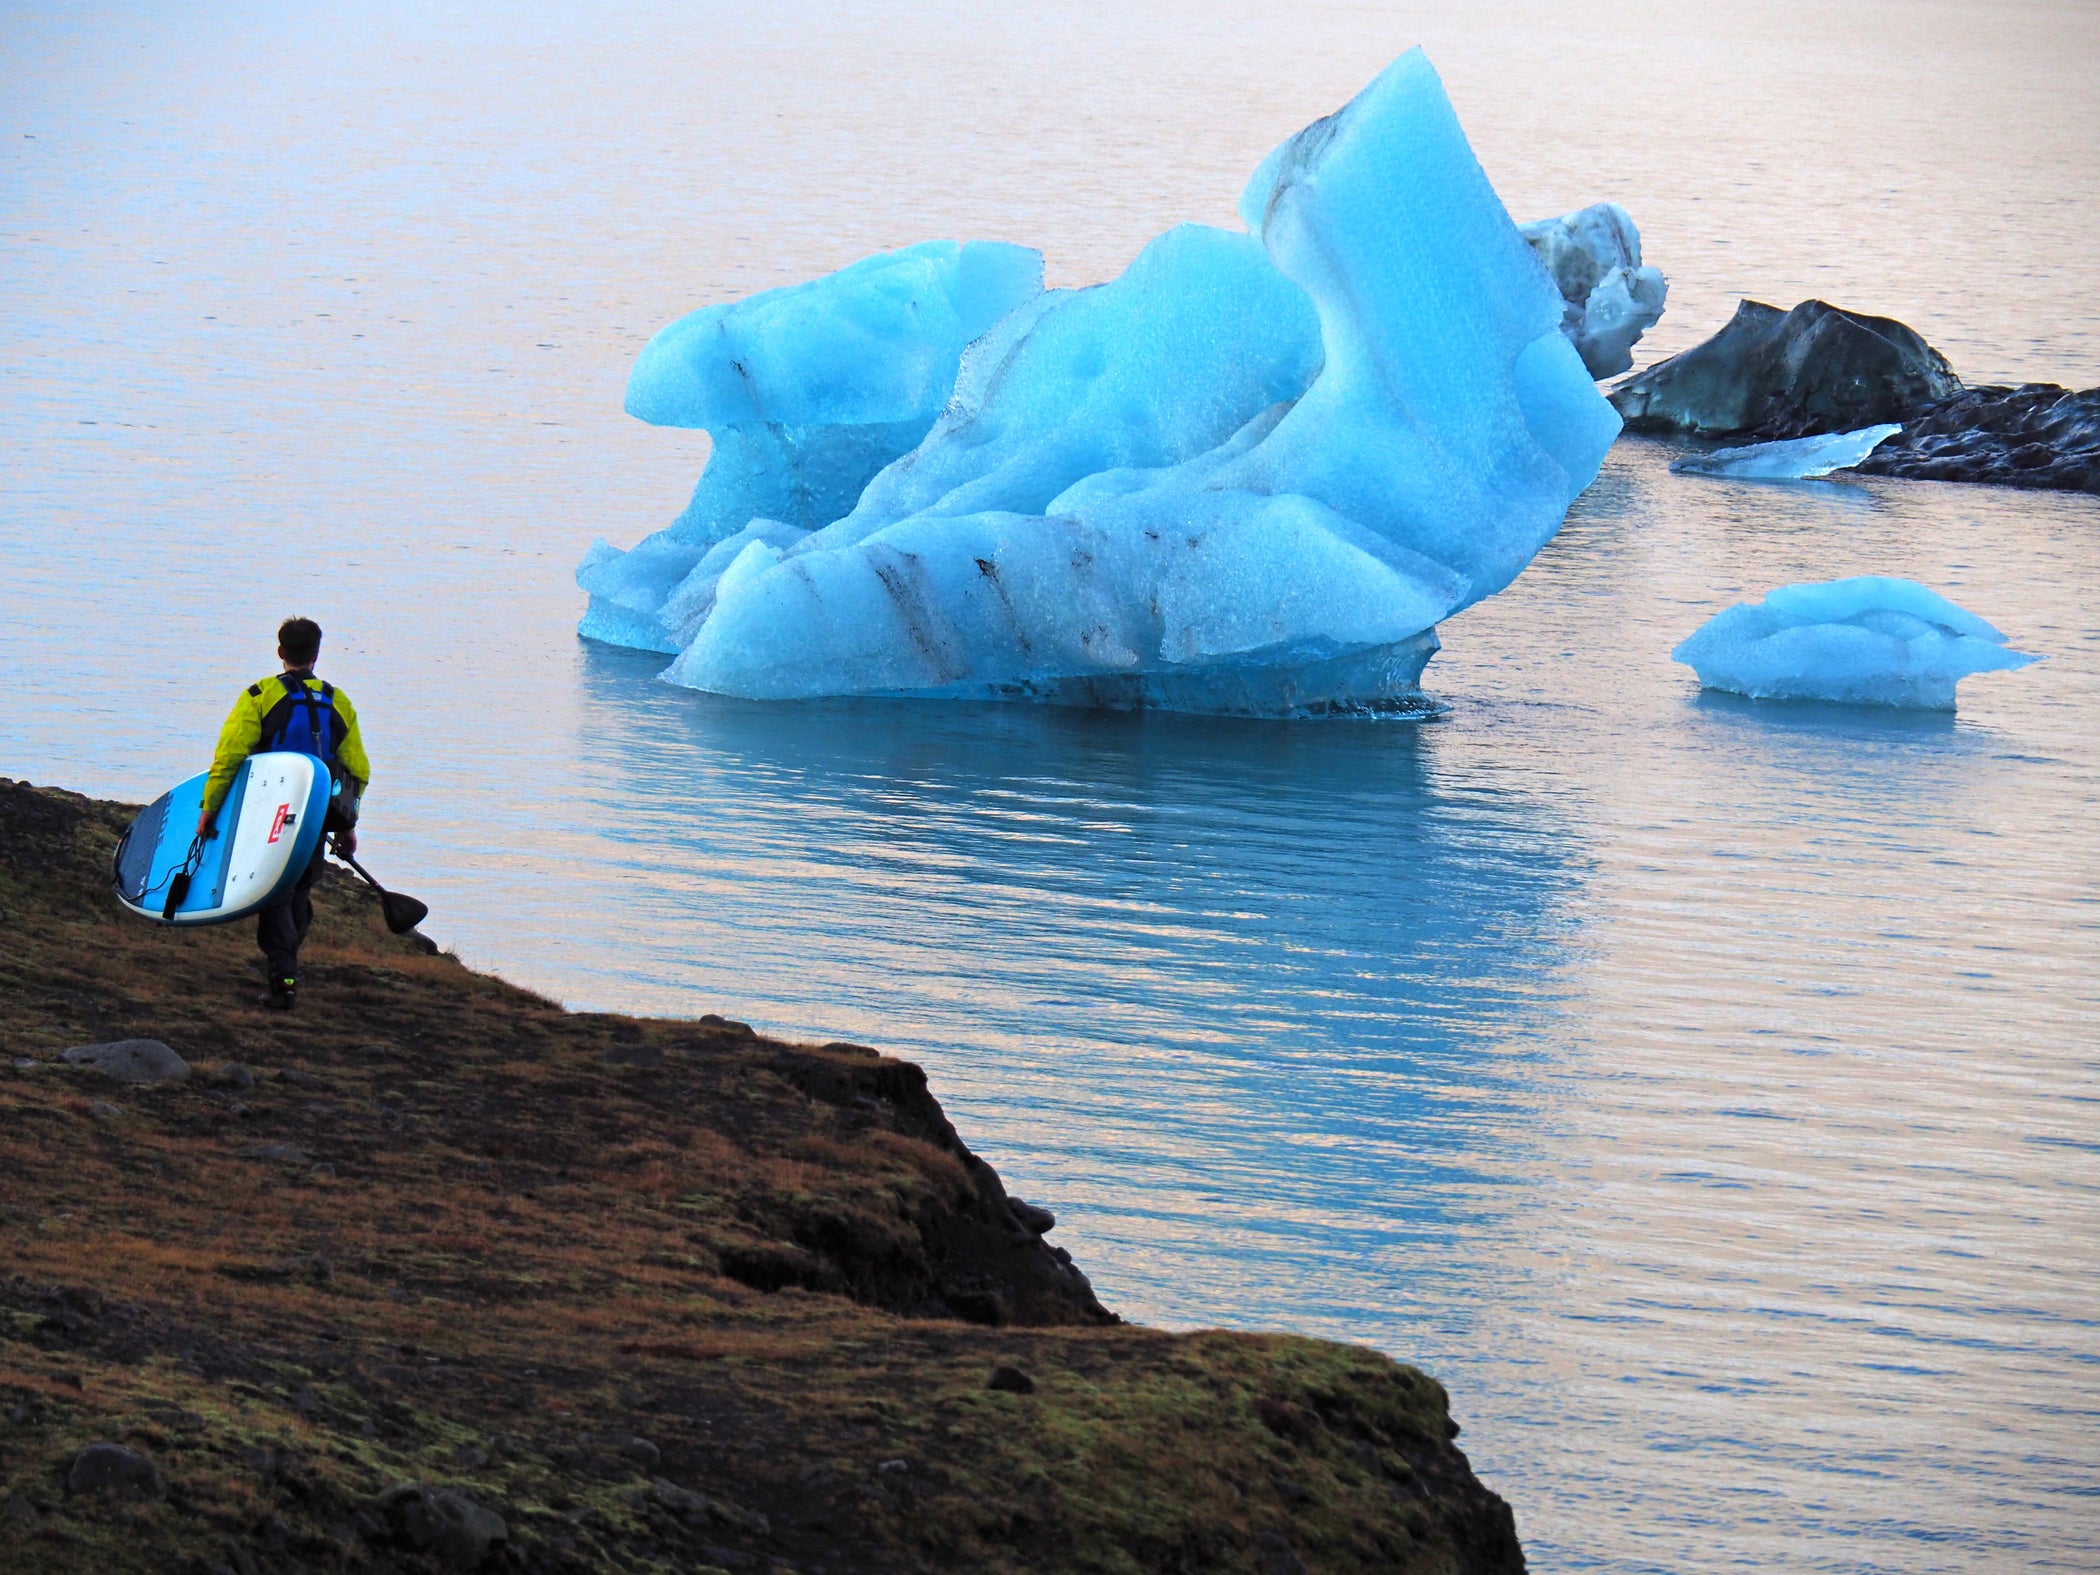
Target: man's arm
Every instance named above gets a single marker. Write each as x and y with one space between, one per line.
237 741
351 751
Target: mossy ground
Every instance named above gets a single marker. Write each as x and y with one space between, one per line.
664 1295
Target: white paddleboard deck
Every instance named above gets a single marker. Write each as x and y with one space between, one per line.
264 836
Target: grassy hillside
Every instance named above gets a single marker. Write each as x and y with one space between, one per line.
434 1275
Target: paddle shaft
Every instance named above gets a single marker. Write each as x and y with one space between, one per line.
361 870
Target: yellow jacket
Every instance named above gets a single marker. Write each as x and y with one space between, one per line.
242 737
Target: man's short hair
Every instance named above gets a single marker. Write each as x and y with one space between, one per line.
299 640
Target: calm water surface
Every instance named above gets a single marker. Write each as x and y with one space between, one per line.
1706 1091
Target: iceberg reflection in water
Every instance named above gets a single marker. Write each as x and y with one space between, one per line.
1210 985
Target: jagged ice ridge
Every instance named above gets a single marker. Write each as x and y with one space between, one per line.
1250 475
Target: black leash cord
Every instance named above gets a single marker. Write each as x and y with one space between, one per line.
187 867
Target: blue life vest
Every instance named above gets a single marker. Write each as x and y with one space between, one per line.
306 722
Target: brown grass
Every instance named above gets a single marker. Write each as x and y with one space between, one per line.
546 1231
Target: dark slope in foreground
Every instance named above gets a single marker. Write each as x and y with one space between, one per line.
463 1280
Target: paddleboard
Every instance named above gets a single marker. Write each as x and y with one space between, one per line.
261 841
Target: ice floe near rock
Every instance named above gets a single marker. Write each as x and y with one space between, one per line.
1594 256
1789 459
1870 640
1250 475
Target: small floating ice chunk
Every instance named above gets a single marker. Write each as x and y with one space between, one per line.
1791 459
1594 256
1871 640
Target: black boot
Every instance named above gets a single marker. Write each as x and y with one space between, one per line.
282 995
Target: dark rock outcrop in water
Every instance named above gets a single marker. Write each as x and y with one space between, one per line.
2037 435
576 1293
1772 374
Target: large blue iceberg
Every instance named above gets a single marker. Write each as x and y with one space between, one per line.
1250 475
1871 640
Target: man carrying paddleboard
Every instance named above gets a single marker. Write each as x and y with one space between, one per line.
292 710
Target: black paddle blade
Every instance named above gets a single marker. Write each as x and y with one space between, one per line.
402 913
178 888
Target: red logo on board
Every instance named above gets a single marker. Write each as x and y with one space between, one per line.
277 825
